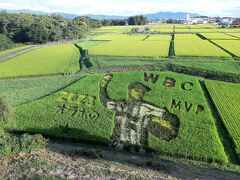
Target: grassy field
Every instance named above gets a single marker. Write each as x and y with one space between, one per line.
231 45
226 97
191 45
43 115
47 60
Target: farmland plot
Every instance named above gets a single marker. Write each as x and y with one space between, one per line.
159 38
226 97
235 35
231 45
18 92
132 48
47 60
181 30
233 30
202 30
87 110
124 37
218 36
191 45
115 29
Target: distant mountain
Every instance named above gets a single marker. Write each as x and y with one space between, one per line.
100 17
154 16
66 15
169 15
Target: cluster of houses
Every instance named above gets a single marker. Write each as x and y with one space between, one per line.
201 20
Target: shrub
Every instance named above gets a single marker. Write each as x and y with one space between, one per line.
6 111
11 144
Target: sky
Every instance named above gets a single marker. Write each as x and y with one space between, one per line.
128 7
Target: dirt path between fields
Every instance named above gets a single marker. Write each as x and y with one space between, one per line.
60 161
33 47
19 52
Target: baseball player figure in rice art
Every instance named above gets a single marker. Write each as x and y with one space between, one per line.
135 118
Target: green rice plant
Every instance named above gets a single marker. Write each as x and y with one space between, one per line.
226 97
132 48
197 138
48 60
231 45
191 45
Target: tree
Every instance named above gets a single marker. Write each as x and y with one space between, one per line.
37 33
137 20
23 28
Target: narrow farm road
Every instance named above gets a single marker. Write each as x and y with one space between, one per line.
19 52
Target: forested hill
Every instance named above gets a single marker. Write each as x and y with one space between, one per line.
22 28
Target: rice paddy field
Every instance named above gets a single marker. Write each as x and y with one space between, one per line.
231 45
226 97
128 45
183 81
45 116
219 36
132 48
47 60
191 45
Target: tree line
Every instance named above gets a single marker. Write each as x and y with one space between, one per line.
23 28
133 20
29 28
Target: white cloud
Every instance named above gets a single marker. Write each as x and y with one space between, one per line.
127 7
